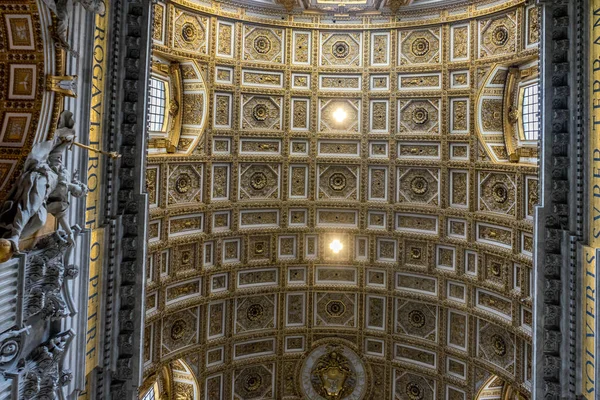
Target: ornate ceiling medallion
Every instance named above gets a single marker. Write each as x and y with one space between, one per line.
333 372
258 180
498 344
188 32
420 47
337 182
262 44
252 383
335 308
414 391
185 257
259 248
420 115
183 183
500 192
260 112
178 329
340 49
416 318
254 312
496 269
419 185
500 35
415 253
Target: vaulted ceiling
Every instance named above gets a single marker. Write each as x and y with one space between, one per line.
386 135
28 103
354 6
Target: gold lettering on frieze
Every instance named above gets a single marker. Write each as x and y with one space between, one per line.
589 254
94 198
588 360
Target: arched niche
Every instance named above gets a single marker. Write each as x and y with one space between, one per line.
500 112
178 106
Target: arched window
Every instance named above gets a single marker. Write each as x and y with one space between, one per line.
149 394
158 100
531 112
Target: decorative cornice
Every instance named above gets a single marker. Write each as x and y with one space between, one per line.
131 67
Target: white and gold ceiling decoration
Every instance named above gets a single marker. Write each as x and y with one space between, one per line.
365 139
346 7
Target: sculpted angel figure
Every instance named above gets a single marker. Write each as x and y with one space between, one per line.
44 186
62 10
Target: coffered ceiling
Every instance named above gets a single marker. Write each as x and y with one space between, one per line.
297 139
26 101
341 7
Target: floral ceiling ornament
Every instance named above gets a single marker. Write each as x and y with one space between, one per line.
499 345
183 183
337 181
419 185
188 32
416 318
340 49
260 112
500 35
420 46
262 44
414 391
420 115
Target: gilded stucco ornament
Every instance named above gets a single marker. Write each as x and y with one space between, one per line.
262 44
395 5
340 49
288 4
333 372
253 382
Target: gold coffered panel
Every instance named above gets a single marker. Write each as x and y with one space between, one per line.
346 191
190 32
341 49
261 113
419 116
420 46
498 35
26 56
263 45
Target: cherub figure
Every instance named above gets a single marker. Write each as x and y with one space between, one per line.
44 186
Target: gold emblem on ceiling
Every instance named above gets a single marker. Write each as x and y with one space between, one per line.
332 376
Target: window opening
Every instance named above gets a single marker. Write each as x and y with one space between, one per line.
157 105
531 112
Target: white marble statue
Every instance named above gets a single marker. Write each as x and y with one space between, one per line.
62 10
44 186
